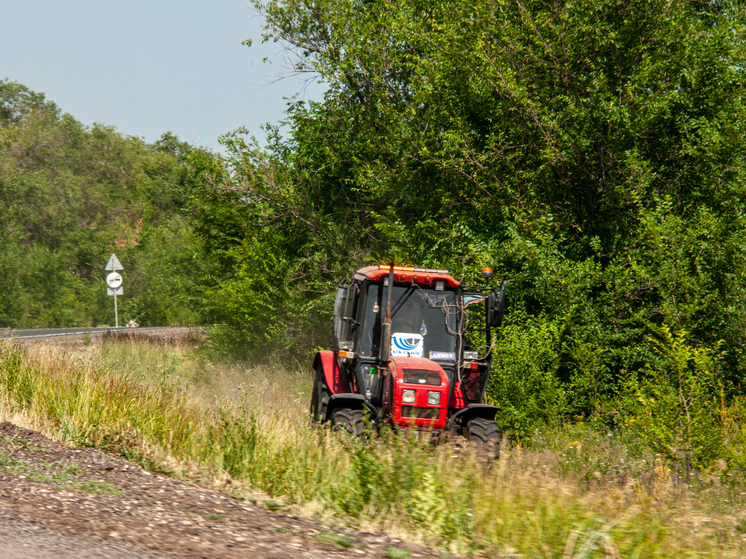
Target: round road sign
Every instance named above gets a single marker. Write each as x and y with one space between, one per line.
114 280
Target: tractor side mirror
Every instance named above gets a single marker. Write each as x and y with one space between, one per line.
495 309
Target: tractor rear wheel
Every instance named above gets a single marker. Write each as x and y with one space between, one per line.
348 421
319 397
486 434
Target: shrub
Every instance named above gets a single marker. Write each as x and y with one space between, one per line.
676 405
523 382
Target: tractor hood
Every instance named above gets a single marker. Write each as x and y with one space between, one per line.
421 363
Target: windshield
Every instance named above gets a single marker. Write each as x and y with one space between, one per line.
423 322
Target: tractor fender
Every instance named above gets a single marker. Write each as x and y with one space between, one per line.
483 411
332 373
350 401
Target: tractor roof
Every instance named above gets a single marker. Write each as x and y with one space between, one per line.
406 274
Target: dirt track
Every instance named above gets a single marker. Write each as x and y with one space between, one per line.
81 503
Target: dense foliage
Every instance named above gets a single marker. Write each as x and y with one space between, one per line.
72 195
592 152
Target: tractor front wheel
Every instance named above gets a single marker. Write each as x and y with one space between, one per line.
486 434
348 421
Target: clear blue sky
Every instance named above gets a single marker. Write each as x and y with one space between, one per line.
147 67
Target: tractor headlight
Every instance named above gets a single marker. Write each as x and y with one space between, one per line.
407 396
433 398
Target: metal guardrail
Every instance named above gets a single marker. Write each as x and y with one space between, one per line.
27 333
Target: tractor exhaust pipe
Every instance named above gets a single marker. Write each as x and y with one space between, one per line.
386 326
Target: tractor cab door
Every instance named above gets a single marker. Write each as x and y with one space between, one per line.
369 339
476 351
345 305
370 333
344 333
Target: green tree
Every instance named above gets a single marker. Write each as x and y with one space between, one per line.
71 195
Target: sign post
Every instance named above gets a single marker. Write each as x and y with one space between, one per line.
114 281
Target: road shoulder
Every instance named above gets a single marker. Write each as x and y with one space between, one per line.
123 511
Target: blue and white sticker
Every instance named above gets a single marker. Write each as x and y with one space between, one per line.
404 344
442 356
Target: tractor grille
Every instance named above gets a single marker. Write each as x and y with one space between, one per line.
416 376
420 413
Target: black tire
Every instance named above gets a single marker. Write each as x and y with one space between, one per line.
348 421
486 434
319 397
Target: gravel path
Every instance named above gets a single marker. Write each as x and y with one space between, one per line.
81 503
25 537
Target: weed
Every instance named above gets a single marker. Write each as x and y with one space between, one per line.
98 488
397 553
48 477
214 516
20 441
51 473
7 461
72 468
333 538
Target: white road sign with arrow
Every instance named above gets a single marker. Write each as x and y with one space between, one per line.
113 265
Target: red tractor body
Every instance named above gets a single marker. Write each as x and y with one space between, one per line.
426 398
411 348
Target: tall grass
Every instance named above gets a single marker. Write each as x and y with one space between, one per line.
180 361
538 503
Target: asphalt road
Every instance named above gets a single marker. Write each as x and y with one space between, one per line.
51 332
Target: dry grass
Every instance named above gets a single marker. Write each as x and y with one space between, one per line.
583 495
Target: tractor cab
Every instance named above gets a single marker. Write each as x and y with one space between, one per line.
411 348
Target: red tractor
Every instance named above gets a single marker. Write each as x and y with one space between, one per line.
406 352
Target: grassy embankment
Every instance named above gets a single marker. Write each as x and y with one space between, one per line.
576 494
